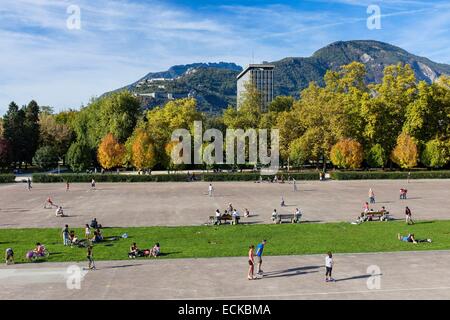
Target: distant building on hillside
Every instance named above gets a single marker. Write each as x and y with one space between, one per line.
261 76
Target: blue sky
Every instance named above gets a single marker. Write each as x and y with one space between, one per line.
120 41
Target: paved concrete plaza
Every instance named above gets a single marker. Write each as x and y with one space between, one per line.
401 275
146 204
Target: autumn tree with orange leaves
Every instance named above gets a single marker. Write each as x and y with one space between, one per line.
142 150
110 153
405 153
347 153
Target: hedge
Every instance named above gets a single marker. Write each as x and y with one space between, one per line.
244 176
366 175
7 178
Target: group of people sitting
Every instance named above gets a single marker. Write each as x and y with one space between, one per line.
367 214
38 251
297 214
136 252
230 212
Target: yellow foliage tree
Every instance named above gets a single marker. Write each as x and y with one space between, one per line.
347 153
110 153
142 151
405 153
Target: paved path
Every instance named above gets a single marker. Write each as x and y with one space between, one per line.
402 275
169 204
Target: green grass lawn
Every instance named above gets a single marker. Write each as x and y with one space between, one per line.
225 240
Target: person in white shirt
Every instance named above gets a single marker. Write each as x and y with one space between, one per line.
329 267
210 190
274 214
217 221
59 212
235 216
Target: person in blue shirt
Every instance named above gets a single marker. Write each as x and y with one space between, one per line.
259 253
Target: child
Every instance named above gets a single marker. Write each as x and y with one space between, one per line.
328 267
9 256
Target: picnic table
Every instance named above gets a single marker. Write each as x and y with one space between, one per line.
291 217
224 218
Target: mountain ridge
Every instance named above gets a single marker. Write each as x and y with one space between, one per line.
214 84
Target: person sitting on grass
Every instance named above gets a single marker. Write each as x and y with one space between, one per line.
98 237
156 250
94 224
73 238
410 238
59 212
36 252
133 251
9 256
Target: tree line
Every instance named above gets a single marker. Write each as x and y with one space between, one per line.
398 122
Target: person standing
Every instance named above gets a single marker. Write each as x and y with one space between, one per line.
251 262
371 196
92 184
210 190
295 185
65 234
90 258
87 232
408 214
259 253
329 267
67 186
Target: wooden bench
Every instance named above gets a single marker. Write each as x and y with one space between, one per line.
291 217
381 215
224 218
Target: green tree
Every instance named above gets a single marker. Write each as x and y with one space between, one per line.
46 157
436 153
14 133
376 156
281 103
31 128
79 156
5 153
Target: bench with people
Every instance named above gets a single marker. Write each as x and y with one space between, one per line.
233 217
371 215
289 217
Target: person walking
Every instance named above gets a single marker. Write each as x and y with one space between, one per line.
295 185
29 184
92 184
210 190
329 267
67 186
65 234
251 263
282 202
259 253
371 196
90 258
408 215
